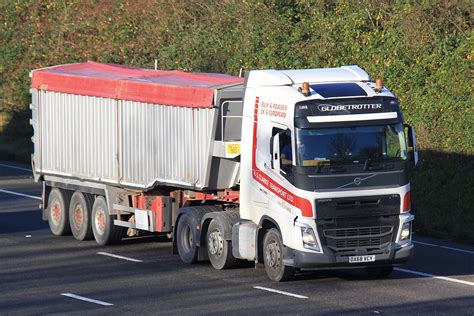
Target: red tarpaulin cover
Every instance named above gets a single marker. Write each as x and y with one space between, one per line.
173 87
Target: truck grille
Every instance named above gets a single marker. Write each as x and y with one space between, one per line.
347 239
354 232
358 236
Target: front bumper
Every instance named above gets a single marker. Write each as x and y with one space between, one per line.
327 260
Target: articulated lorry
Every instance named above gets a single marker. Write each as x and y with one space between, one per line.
290 169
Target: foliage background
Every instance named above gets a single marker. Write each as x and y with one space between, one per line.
423 50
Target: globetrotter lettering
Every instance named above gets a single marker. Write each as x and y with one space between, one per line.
349 107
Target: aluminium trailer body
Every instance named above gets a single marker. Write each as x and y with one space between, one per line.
132 128
122 133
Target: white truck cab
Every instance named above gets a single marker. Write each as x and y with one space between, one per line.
325 164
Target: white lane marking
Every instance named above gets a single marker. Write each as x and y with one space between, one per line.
423 243
279 292
20 194
457 249
428 275
444 247
82 298
118 257
14 167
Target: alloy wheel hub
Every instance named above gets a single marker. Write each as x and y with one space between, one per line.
272 254
215 243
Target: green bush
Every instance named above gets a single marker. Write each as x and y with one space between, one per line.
423 50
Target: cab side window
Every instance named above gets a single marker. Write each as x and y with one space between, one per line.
282 157
286 152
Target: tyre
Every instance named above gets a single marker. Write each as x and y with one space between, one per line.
58 215
103 228
185 239
218 249
80 209
273 257
379 272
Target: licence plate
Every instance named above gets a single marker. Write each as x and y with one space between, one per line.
357 259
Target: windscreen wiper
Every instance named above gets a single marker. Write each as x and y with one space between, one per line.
331 169
379 165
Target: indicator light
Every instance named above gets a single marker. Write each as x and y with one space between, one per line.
406 203
405 234
309 239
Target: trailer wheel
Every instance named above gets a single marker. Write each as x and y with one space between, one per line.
379 272
218 249
80 216
185 239
273 257
58 216
105 232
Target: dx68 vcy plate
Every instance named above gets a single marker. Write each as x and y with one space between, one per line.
359 259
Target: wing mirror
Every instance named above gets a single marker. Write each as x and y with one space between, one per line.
412 148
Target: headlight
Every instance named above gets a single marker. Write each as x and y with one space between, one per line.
405 234
309 239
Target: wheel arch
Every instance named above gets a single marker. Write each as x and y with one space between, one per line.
226 218
266 223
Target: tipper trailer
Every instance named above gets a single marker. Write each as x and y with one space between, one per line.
293 169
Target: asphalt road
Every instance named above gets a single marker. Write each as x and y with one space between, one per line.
43 274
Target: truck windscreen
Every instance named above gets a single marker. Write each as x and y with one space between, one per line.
350 145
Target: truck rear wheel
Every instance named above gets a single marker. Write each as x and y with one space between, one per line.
58 215
218 249
185 239
273 257
105 232
80 216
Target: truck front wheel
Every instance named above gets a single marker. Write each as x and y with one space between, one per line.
58 215
105 232
273 257
218 249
